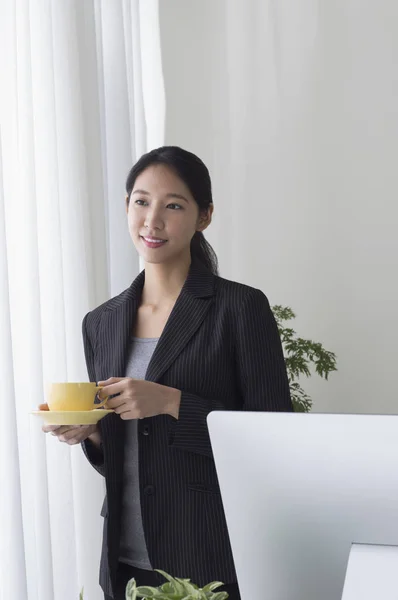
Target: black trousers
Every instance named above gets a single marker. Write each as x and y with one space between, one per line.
155 579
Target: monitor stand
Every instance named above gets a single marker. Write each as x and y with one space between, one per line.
372 572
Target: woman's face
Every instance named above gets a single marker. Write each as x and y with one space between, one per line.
163 216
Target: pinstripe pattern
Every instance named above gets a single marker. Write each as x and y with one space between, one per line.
221 347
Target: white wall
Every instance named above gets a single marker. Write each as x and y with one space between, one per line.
294 108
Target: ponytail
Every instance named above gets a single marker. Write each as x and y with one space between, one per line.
201 251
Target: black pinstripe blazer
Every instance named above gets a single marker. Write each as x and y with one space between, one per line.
222 349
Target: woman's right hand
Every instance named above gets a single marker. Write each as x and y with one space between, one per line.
72 434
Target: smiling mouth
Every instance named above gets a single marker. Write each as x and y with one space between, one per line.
153 242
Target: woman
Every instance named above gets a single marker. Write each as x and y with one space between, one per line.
177 344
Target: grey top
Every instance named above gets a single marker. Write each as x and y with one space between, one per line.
133 550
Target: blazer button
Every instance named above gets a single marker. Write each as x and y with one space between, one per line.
145 431
149 490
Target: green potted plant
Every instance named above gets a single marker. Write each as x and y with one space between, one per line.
175 589
300 356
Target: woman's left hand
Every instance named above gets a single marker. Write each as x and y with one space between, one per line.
139 398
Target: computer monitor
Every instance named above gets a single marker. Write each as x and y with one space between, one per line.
298 490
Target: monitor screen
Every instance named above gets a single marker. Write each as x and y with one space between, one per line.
298 490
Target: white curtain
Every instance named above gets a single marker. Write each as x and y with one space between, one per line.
81 98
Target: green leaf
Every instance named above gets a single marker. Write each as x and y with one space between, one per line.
131 590
177 586
212 586
158 596
283 313
168 588
144 591
189 588
165 575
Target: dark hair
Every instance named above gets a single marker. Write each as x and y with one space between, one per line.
195 175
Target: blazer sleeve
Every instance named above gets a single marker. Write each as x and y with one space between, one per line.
93 454
261 373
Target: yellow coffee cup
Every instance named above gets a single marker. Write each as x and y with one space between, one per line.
73 396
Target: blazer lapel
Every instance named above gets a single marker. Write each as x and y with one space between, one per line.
188 313
116 329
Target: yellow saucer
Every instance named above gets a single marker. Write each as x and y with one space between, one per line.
76 417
